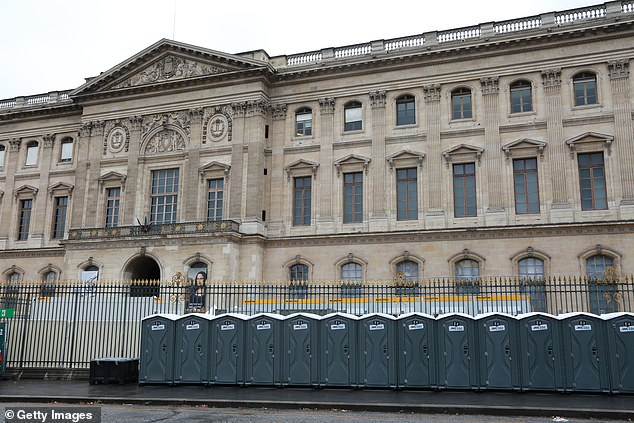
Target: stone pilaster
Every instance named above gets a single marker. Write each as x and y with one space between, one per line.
132 182
325 221
435 215
40 216
378 214
191 187
237 160
95 152
278 180
11 162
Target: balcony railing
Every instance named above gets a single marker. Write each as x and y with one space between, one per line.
154 230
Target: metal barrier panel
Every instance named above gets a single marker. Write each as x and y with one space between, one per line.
302 349
263 365
498 351
339 350
541 361
227 349
585 349
457 364
156 364
416 356
620 334
3 347
377 350
191 352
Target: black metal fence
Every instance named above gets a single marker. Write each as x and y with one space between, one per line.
66 324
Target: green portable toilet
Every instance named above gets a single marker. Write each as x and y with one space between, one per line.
585 352
416 361
541 358
300 366
338 340
498 351
227 349
620 333
191 351
263 358
457 355
156 364
377 350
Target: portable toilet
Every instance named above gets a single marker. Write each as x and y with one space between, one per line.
226 349
416 360
377 350
191 351
541 359
620 333
498 351
300 366
585 352
338 339
263 358
156 363
457 355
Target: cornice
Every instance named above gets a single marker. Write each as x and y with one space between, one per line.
40 111
36 252
589 120
521 127
302 149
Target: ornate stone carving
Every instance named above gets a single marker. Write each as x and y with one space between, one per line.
279 111
377 98
217 124
170 68
165 141
196 114
490 85
14 144
551 78
619 69
117 140
181 119
97 127
431 92
48 140
257 107
239 108
86 129
327 105
136 122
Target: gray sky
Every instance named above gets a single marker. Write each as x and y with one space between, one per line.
51 45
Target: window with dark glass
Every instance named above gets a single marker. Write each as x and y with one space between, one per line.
304 122
603 293
299 272
405 110
464 188
526 186
31 153
406 194
113 198
352 272
467 273
521 97
2 153
164 195
409 270
461 104
59 217
353 197
47 289
597 265
66 154
215 199
585 87
302 200
592 181
24 219
352 116
533 284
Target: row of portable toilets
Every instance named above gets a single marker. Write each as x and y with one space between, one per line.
534 351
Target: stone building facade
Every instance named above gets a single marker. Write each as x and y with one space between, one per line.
505 148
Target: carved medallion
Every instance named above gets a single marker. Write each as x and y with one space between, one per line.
116 140
217 127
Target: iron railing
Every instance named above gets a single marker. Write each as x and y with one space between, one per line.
66 324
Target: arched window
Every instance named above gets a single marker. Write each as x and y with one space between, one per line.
467 272
15 277
597 265
49 280
304 122
531 270
2 153
585 88
405 110
66 153
298 272
352 116
409 270
521 97
352 272
31 153
461 104
603 294
194 268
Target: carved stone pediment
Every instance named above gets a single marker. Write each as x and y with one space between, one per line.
214 170
524 146
25 191
352 163
60 188
405 158
462 153
590 141
301 167
112 178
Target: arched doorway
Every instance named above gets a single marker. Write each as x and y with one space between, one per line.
145 269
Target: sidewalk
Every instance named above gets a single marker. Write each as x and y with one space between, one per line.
544 404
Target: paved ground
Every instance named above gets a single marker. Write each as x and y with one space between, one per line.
546 404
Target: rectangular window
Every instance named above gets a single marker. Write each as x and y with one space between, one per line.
67 151
461 104
59 217
164 195
113 198
521 100
405 111
304 124
464 190
526 186
592 181
585 86
215 199
302 200
31 154
352 117
353 197
406 194
25 219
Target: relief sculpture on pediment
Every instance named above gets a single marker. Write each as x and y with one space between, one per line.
165 141
169 68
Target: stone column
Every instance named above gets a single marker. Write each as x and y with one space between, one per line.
325 221
561 209
132 181
40 217
378 214
191 186
623 132
278 178
6 211
435 216
494 159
